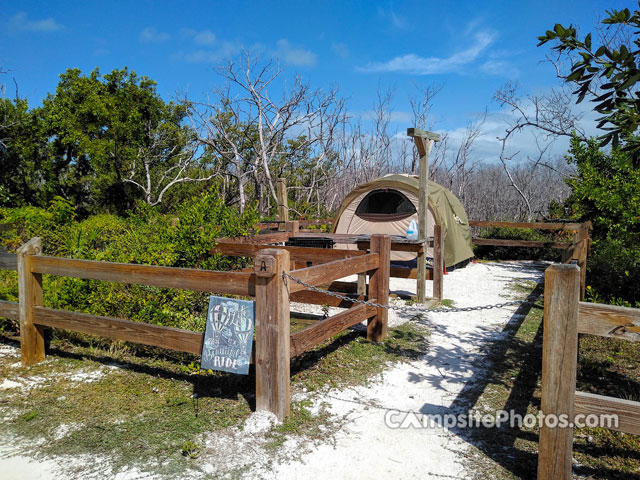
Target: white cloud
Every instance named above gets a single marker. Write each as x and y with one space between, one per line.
396 20
205 37
417 65
101 52
21 22
151 35
202 37
224 51
340 49
499 68
203 56
293 55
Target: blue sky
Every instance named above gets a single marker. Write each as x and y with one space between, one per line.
470 47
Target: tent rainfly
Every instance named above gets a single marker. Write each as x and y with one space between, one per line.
388 204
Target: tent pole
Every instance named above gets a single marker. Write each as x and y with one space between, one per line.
424 142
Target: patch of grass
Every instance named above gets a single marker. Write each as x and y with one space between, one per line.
298 324
301 421
331 365
447 302
140 413
523 286
606 366
28 416
191 449
148 408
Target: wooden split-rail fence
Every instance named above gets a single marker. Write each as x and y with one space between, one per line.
565 316
246 246
273 291
576 248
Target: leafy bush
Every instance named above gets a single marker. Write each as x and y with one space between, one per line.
613 273
606 190
144 237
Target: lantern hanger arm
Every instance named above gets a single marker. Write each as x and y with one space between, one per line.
416 132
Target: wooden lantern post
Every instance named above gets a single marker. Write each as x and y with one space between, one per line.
424 142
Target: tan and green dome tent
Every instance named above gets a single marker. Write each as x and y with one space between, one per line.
388 204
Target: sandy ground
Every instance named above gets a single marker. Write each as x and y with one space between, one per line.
368 448
365 447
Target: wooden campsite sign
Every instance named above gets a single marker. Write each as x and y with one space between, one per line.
228 335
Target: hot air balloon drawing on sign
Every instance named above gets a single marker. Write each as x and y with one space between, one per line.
228 335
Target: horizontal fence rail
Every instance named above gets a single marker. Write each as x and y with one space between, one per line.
265 238
327 272
301 254
505 242
8 261
577 249
570 226
234 283
303 340
303 223
627 411
119 329
609 321
534 225
9 310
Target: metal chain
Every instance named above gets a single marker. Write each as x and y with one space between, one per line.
410 309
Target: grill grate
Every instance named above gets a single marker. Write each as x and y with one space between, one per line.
310 242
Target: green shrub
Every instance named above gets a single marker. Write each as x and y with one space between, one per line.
613 273
606 190
144 237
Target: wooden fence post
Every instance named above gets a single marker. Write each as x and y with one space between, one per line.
581 248
292 227
283 204
30 295
438 261
559 366
379 287
578 250
361 288
272 332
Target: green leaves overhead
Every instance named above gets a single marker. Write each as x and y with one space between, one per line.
610 75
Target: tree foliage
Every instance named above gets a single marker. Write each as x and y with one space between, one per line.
606 191
100 141
610 75
100 126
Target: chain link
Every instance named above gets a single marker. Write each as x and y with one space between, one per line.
410 309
